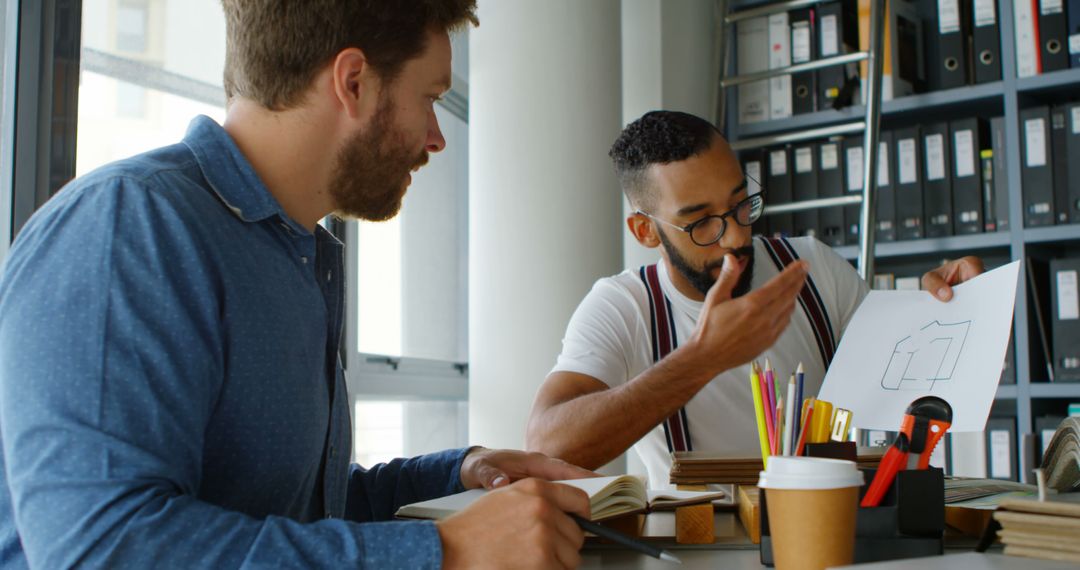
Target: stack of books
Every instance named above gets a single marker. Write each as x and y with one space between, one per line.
1041 529
1048 528
703 467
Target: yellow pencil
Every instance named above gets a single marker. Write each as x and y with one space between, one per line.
759 412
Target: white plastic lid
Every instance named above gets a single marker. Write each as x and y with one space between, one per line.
790 472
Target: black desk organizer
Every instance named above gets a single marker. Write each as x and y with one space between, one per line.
909 523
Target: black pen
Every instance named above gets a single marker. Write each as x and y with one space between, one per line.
620 538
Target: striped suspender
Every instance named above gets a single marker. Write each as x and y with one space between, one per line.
783 254
664 340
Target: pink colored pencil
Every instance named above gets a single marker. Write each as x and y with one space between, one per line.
770 428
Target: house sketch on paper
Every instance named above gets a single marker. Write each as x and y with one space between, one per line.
929 356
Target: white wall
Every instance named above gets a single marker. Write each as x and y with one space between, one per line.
668 63
543 115
544 91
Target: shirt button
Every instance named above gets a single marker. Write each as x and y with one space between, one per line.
329 515
329 274
331 452
303 259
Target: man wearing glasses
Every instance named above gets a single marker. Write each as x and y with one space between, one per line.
658 357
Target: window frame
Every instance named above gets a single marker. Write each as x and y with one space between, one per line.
43 55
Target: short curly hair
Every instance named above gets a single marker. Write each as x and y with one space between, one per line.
658 137
274 48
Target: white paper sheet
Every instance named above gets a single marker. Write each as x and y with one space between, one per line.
902 345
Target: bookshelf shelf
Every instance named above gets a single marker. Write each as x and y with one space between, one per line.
951 99
1055 389
1031 395
1065 79
969 243
1069 232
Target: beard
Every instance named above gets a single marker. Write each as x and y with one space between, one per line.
372 168
702 279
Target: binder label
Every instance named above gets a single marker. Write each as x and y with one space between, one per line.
829 43
1050 7
829 160
883 164
804 160
854 168
948 16
935 157
753 176
1074 44
1000 456
984 13
1075 120
965 154
800 42
1068 299
906 150
1026 50
1035 141
777 163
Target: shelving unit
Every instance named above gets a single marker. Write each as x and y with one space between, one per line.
1007 98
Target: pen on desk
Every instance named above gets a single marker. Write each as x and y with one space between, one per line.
624 540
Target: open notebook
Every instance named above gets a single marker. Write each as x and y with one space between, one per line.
608 496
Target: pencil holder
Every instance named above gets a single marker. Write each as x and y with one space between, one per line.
909 523
833 450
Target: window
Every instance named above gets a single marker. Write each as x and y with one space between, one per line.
148 68
8 51
410 320
145 69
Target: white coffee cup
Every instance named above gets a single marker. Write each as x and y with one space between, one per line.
812 505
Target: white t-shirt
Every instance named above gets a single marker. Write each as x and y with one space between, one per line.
609 339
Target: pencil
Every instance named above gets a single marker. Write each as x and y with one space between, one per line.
780 426
770 404
789 418
809 415
624 540
800 374
759 413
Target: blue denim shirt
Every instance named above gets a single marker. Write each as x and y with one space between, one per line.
170 392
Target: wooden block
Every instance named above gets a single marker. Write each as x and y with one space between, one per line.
694 524
748 500
970 522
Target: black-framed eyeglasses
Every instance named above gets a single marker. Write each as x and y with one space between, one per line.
710 229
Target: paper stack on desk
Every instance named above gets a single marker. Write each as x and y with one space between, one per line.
702 467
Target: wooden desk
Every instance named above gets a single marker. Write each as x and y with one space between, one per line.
701 559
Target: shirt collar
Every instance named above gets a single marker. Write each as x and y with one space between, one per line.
229 174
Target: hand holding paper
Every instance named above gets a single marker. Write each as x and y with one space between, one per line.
901 345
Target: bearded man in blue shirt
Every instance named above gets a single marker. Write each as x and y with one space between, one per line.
170 392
